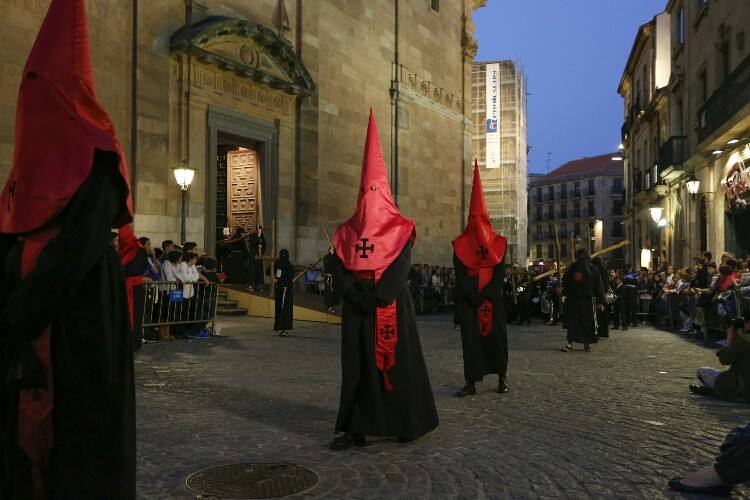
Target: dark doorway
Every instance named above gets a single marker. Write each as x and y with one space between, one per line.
737 233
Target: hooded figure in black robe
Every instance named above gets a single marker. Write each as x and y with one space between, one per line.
257 248
385 388
284 291
602 314
583 295
481 282
67 402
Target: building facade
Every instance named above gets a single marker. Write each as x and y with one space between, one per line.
698 122
581 201
500 146
268 102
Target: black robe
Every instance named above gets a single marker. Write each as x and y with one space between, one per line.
408 411
602 317
482 355
78 288
331 293
284 290
255 266
581 286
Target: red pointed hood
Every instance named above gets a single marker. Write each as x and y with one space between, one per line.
59 125
377 232
479 245
127 244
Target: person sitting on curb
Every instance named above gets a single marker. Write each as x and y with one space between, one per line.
733 384
732 467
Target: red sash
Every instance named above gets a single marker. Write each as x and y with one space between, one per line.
130 283
386 332
485 308
35 429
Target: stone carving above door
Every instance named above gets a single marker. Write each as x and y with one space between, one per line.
246 49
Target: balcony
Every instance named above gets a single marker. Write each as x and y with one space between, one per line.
726 101
673 152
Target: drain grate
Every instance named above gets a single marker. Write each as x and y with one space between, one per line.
251 480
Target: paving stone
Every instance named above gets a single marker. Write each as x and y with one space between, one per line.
575 425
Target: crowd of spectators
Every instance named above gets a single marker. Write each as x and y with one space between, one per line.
182 298
432 287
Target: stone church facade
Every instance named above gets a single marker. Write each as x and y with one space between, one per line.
268 101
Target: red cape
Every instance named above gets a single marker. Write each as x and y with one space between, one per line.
479 246
377 232
59 124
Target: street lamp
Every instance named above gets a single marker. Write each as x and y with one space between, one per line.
655 213
183 174
693 185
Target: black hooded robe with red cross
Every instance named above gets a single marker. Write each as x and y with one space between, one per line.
67 401
478 261
385 389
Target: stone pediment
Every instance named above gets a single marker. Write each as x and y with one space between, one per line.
246 49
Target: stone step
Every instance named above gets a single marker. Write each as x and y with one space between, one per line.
231 311
226 304
223 295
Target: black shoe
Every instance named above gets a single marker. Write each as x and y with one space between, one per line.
721 490
703 390
502 388
567 348
467 390
347 440
586 348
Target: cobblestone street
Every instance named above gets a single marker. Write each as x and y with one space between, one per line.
615 423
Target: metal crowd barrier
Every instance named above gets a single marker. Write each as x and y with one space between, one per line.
165 303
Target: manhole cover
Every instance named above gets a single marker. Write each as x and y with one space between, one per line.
251 480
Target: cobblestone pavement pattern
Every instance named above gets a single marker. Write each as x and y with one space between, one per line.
615 423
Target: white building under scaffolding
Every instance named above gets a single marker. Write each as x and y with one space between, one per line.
499 144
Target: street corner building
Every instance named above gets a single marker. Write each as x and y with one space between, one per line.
268 102
685 135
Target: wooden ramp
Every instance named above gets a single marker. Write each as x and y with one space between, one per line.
307 306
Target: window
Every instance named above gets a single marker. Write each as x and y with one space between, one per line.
539 251
551 192
551 232
563 191
591 186
617 185
539 213
538 194
539 232
435 5
680 27
646 88
617 207
724 60
576 210
577 188
551 251
563 251
563 211
591 208
564 231
702 86
617 231
577 229
550 212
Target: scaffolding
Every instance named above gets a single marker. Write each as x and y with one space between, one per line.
505 188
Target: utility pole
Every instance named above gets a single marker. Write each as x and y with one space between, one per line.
549 158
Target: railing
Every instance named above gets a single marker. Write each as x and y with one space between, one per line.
173 303
726 101
673 152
